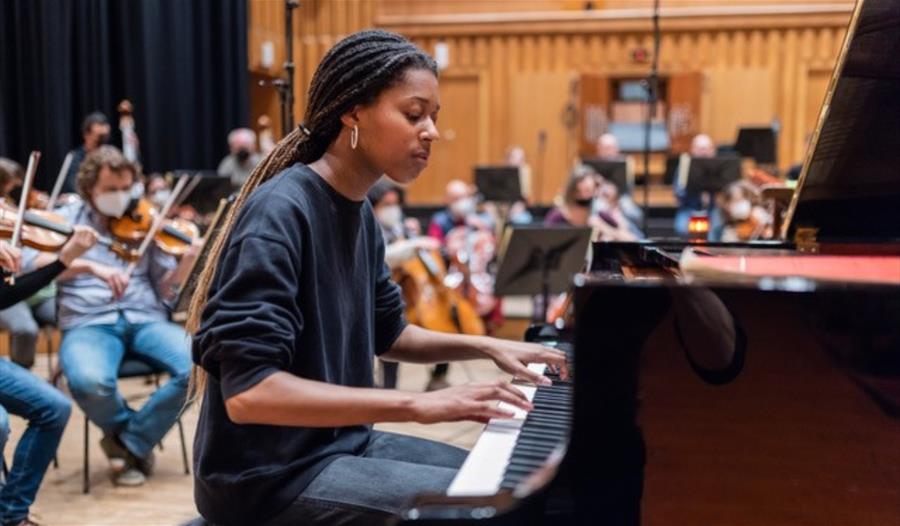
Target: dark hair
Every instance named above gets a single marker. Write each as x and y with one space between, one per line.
383 187
92 119
353 72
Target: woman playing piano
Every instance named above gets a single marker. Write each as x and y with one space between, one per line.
298 301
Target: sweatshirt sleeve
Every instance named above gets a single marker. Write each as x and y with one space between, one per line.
28 284
252 320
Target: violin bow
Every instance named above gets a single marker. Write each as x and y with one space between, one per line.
157 225
33 160
192 184
60 178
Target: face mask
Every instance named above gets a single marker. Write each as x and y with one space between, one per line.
463 207
160 197
390 216
242 155
740 210
584 203
113 204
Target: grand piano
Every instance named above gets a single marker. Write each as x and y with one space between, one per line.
739 384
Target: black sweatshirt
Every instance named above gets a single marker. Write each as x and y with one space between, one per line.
301 287
27 284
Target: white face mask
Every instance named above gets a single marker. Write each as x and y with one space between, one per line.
463 207
160 197
740 210
113 204
390 216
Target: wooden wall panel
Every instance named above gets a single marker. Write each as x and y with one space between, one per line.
526 62
754 68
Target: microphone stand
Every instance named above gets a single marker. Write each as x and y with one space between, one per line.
652 85
285 85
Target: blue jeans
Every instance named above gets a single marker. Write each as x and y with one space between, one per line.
47 411
371 489
90 357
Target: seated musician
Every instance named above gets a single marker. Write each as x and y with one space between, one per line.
743 217
401 240
576 206
702 147
107 315
608 150
242 157
462 210
95 132
28 396
23 319
297 300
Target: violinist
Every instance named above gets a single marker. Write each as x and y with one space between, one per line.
106 314
95 131
22 319
24 394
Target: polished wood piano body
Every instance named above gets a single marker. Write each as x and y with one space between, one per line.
724 384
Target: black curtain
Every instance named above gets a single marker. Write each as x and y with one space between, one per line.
182 63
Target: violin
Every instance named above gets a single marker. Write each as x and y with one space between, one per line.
48 232
174 237
471 252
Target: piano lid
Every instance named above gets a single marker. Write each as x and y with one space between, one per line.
849 188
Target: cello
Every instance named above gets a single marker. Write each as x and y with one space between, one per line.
429 302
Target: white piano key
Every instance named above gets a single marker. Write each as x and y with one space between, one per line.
482 472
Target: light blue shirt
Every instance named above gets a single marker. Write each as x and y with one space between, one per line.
88 300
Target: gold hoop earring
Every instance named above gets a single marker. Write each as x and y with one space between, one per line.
354 137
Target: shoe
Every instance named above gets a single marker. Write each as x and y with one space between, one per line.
129 477
145 465
120 458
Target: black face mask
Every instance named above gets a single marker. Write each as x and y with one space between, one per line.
242 155
584 203
102 139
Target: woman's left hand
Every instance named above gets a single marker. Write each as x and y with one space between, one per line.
514 357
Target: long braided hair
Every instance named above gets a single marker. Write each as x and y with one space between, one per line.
353 72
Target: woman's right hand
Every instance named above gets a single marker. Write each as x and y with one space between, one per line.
473 401
10 257
82 239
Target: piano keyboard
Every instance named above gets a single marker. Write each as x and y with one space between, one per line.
510 449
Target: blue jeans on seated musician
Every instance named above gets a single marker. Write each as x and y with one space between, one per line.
371 489
47 411
90 357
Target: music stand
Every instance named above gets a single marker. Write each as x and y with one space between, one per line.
211 188
713 174
613 171
540 260
758 143
501 183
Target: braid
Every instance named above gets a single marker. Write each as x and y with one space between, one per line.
353 72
